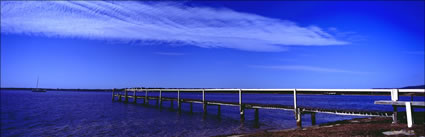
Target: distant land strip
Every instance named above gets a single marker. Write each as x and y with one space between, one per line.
325 93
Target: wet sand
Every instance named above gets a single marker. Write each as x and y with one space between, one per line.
356 127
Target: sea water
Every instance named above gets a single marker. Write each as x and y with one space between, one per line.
79 113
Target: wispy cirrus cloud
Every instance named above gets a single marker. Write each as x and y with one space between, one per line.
304 68
166 22
169 53
415 52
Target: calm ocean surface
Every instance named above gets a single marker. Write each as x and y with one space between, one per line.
72 113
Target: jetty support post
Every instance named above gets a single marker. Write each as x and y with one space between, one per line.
204 104
178 100
219 110
191 107
126 95
409 114
160 98
134 96
313 118
146 96
113 94
241 106
119 96
299 121
394 97
297 110
256 115
157 101
256 118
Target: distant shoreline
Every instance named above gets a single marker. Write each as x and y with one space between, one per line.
269 92
57 89
110 89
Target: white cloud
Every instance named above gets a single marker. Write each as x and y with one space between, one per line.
304 68
169 23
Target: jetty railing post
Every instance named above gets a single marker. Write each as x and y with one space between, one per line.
204 104
295 100
409 114
394 97
295 103
241 106
126 95
178 100
113 94
134 96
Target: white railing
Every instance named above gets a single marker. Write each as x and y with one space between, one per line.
285 90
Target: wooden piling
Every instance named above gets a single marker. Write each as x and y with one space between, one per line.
126 95
219 110
146 96
160 98
191 107
299 121
204 104
113 94
256 115
242 112
257 118
134 96
313 118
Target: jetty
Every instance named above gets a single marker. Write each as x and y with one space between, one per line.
127 93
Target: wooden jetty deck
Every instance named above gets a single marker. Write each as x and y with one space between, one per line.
125 95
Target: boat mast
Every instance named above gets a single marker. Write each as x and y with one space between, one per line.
37 82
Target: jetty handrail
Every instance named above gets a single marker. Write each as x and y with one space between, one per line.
282 90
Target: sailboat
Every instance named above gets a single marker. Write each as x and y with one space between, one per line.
38 89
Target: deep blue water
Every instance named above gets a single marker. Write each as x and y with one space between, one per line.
72 113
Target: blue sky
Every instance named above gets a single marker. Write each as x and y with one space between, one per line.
214 44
